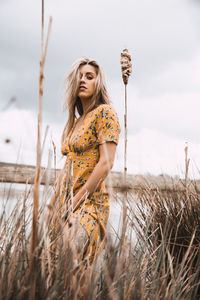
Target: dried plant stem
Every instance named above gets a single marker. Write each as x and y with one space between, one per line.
125 135
34 232
126 68
37 177
125 166
187 161
44 140
54 155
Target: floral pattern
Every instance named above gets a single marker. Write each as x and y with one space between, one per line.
82 150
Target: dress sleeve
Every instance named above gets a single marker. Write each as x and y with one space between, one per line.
107 126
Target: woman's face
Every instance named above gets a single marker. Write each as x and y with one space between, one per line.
87 81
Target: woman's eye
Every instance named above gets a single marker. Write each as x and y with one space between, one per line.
90 77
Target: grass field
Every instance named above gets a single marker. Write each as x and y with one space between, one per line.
160 261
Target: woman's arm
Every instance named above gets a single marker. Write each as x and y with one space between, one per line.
101 170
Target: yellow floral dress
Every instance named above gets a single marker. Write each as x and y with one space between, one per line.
100 126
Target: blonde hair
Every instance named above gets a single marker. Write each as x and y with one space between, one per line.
71 100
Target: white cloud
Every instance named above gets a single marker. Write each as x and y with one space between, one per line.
152 152
173 110
19 127
181 77
157 33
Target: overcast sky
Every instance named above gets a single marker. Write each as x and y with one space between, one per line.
163 92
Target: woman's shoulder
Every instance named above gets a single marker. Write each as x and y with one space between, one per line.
106 114
105 109
107 124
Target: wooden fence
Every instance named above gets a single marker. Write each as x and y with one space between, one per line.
17 173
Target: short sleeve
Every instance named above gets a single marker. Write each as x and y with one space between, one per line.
107 126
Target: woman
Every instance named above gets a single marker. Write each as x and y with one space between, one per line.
89 143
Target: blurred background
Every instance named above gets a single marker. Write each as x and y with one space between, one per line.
163 91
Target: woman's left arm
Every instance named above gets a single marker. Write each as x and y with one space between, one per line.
107 155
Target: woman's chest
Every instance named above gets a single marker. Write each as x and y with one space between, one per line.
84 137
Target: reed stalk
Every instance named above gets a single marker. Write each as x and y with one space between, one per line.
35 220
126 68
187 161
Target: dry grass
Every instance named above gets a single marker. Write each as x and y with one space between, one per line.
163 262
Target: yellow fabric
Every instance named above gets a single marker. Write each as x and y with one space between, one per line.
100 126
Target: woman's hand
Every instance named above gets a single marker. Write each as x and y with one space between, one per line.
101 170
79 197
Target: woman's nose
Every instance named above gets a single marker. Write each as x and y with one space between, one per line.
82 79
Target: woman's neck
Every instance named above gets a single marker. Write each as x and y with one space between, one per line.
85 104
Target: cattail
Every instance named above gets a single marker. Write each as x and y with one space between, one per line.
126 65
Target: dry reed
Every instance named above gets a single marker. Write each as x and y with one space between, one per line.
126 68
161 261
34 236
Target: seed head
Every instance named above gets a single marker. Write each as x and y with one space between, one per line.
126 65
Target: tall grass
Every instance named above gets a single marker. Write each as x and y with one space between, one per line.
162 261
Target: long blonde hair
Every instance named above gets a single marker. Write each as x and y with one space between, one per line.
71 100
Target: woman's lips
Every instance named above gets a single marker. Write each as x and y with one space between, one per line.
82 88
